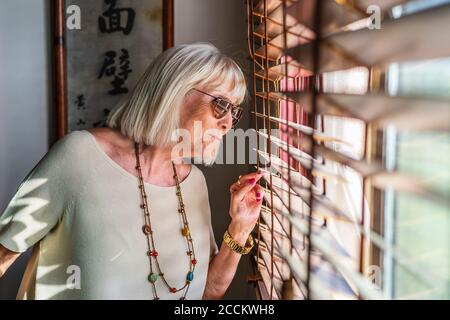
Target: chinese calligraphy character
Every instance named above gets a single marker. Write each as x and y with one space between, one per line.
108 67
80 122
115 19
109 70
81 102
124 64
102 123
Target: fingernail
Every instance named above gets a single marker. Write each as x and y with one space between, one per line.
251 181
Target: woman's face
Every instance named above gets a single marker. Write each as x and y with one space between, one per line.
205 131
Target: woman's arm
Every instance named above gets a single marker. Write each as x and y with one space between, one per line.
245 207
222 267
7 257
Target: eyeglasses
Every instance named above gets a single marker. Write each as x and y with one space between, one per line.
223 106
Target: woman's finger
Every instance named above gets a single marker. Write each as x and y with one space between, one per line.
246 186
243 179
249 176
259 193
235 186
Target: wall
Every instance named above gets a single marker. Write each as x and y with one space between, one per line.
26 112
25 103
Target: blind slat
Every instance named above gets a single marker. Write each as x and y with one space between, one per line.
404 112
323 207
366 47
277 72
403 182
316 134
318 170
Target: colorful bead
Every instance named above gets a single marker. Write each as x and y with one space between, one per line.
185 232
146 229
190 276
173 290
152 277
154 253
194 261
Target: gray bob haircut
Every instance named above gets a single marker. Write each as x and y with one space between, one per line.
151 111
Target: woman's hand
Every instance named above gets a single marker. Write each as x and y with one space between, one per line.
245 206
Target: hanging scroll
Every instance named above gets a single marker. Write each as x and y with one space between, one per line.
102 48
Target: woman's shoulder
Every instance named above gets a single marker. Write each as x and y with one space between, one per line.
78 140
109 140
67 145
77 145
64 154
61 162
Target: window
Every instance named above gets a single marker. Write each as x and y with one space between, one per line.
419 225
353 129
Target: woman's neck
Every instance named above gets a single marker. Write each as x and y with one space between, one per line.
156 163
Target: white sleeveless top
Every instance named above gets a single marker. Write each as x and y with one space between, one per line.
85 209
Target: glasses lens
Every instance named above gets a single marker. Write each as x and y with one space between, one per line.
236 114
221 108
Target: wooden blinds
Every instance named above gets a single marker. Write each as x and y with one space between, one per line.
321 105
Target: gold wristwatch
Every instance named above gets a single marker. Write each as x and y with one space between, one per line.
236 247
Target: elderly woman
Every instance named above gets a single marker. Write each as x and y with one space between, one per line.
118 212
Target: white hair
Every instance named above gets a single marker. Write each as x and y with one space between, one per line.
151 112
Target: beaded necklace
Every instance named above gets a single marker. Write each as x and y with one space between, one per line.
152 253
